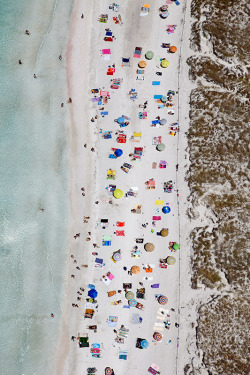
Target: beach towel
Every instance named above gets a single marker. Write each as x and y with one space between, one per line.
157 96
156 218
120 233
112 321
156 83
159 202
106 51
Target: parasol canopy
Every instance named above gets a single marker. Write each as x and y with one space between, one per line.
160 147
164 99
157 336
142 64
164 14
118 193
108 371
173 49
166 209
129 295
92 293
118 152
171 260
164 63
135 270
162 300
149 247
121 120
132 302
117 256
176 246
149 55
163 8
164 232
162 121
144 344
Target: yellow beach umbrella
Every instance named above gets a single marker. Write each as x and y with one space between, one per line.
118 193
164 63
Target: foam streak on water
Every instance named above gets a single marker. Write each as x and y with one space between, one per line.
34 174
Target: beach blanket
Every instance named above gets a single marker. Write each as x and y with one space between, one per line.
159 202
112 322
120 223
120 233
157 96
156 83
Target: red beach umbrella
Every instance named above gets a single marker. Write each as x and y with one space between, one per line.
157 336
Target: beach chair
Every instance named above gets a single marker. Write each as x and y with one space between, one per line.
137 52
125 61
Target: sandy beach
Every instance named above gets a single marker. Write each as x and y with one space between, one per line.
88 70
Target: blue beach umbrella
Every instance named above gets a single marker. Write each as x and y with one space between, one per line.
166 209
121 120
92 293
118 152
144 344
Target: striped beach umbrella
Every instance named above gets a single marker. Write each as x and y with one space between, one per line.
162 300
108 371
157 336
117 256
132 302
129 295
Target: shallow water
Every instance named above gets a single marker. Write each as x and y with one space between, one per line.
34 174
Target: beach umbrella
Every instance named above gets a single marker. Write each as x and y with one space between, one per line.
118 193
117 256
135 270
118 152
164 14
149 247
166 209
160 147
149 55
132 302
144 344
129 295
162 300
164 232
142 64
162 121
157 336
92 293
163 8
164 63
171 260
173 49
108 371
164 99
121 120
176 246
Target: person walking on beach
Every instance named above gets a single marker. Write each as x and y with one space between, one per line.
34 76
20 62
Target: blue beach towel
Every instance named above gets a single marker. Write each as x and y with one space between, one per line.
104 113
156 83
157 96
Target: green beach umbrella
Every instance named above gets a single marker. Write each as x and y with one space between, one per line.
176 246
129 295
118 193
149 55
160 147
165 63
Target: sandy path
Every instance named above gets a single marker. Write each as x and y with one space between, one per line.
86 71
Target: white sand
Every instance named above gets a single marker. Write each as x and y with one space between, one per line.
86 70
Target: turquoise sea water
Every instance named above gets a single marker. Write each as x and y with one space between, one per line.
34 174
